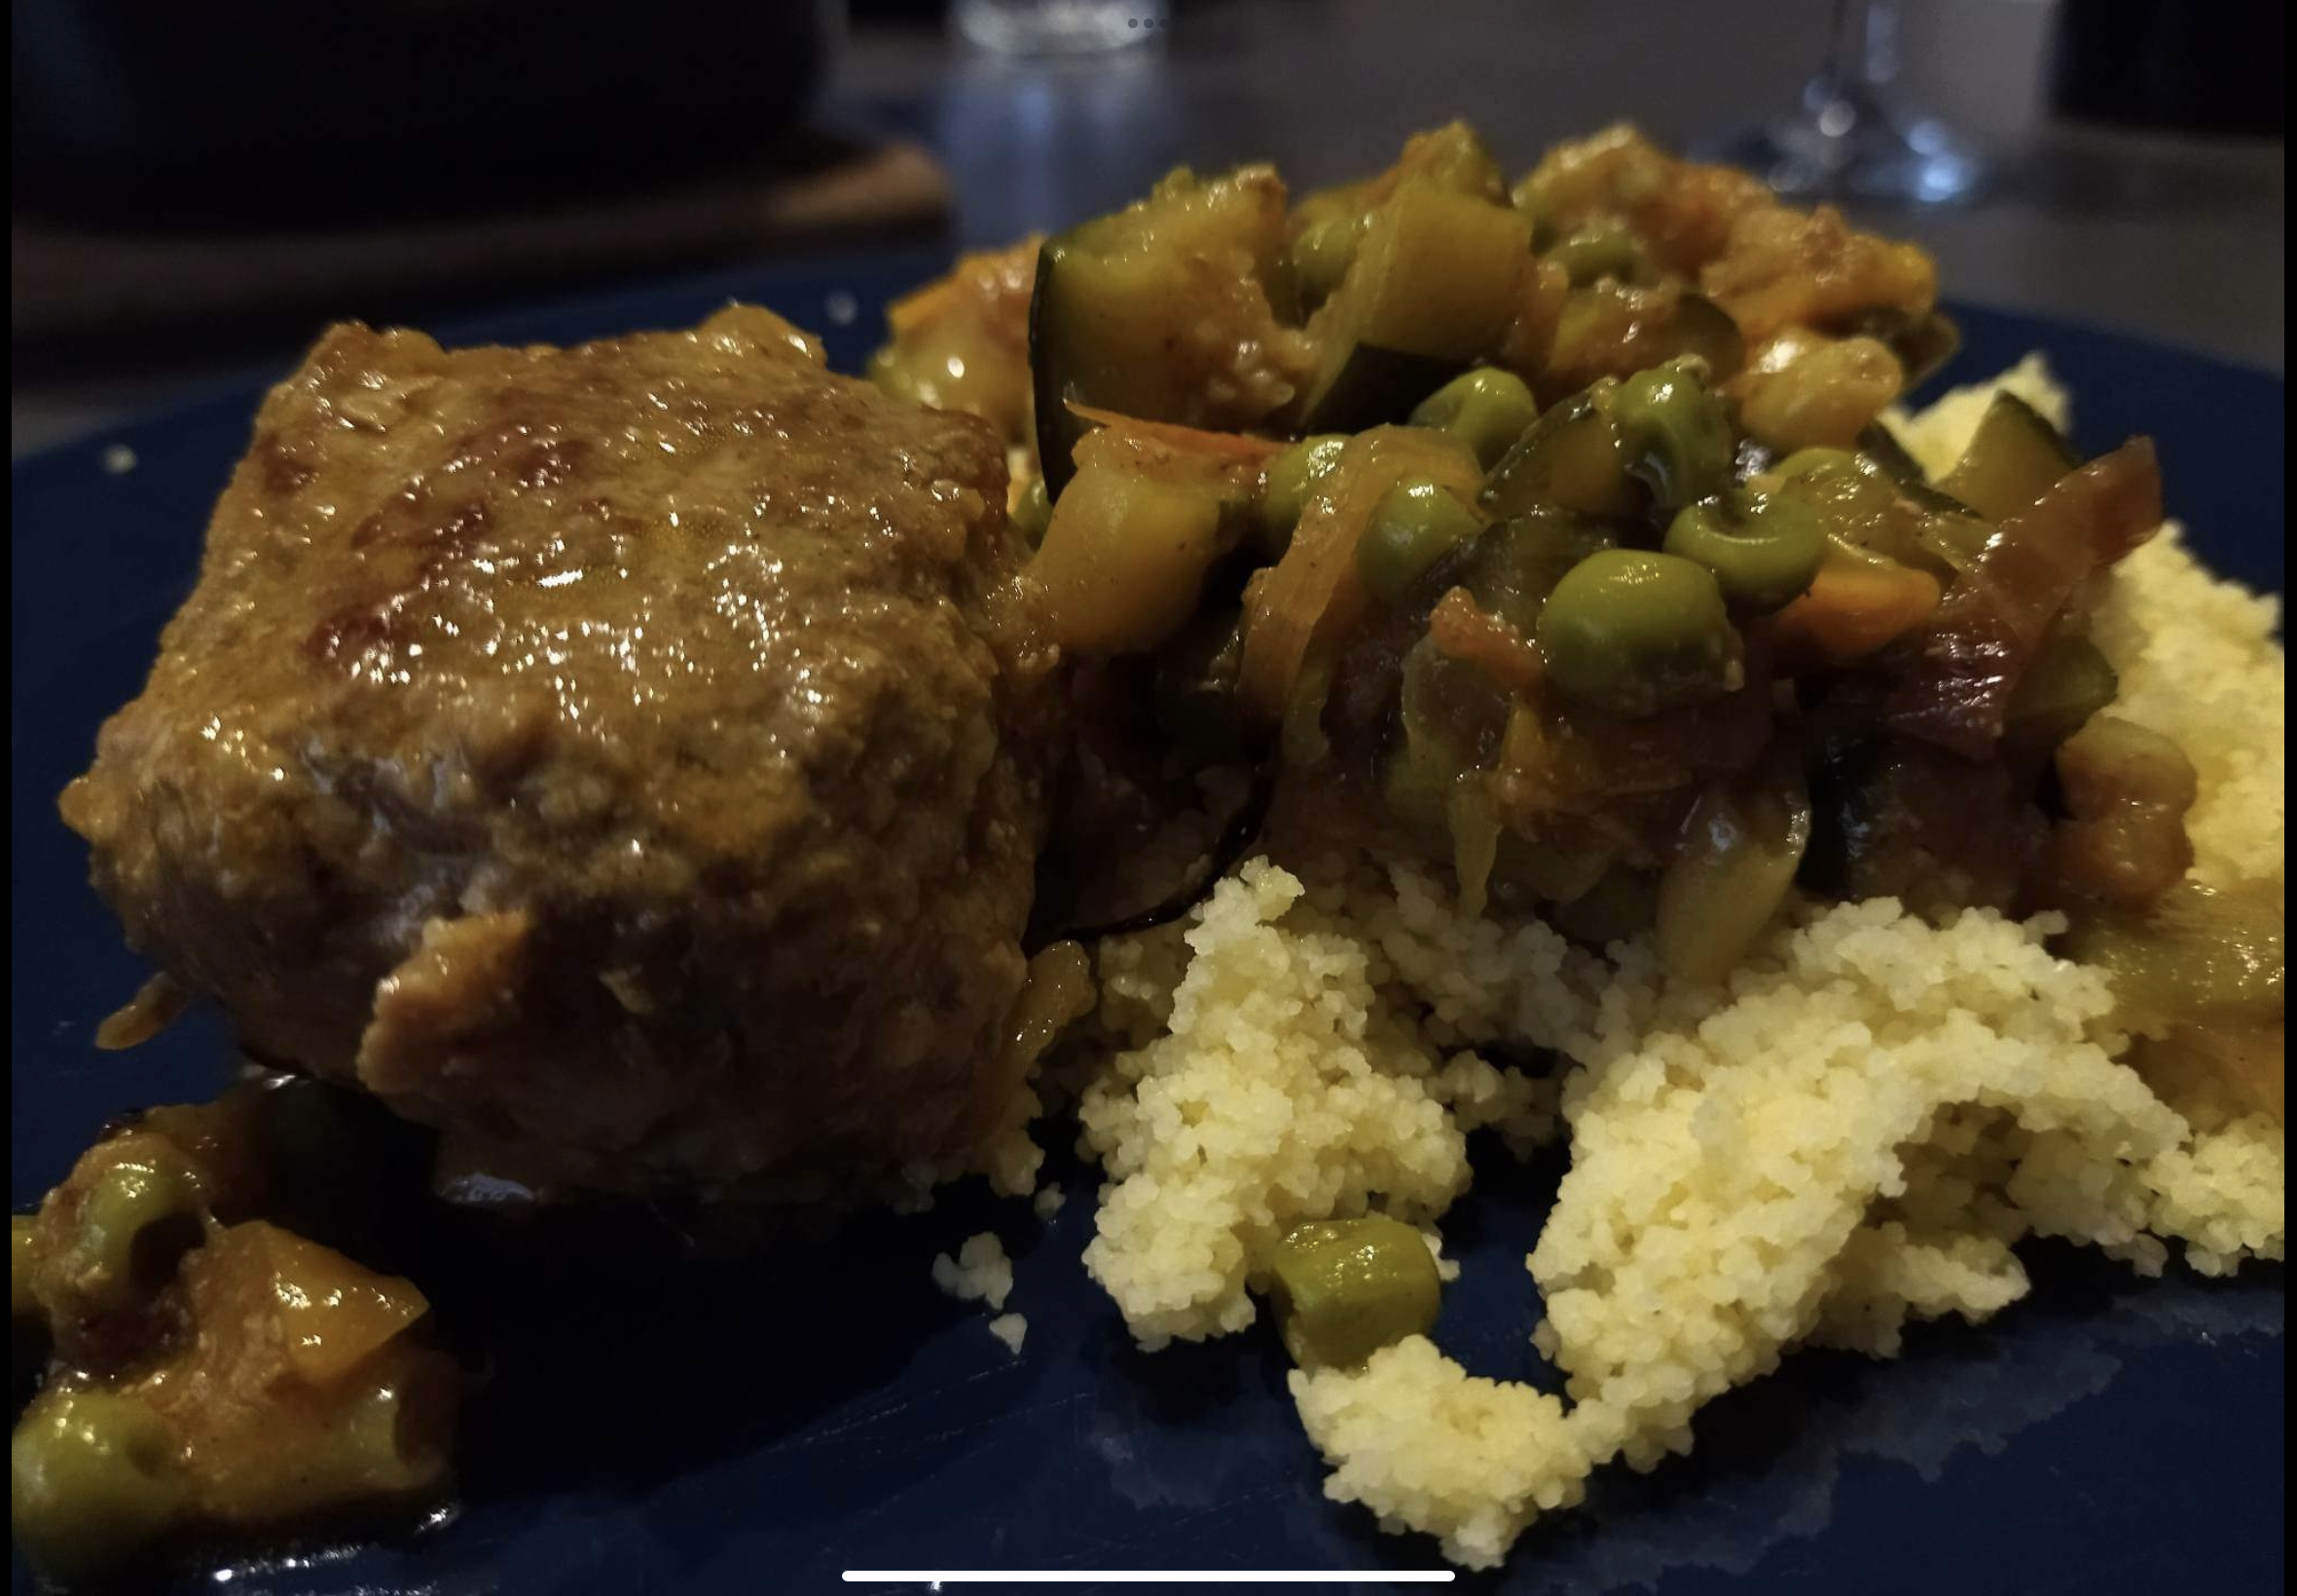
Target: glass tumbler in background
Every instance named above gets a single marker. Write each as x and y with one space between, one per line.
1060 27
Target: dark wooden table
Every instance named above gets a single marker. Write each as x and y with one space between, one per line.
2175 238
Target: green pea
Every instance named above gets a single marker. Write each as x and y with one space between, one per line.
1486 408
1675 435
24 1258
1344 1289
1816 461
1416 523
1291 476
1322 255
1763 549
91 1481
1033 512
1635 632
1595 253
136 1220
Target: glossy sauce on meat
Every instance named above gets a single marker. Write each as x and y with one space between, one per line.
623 757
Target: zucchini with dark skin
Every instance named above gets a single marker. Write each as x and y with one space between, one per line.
1167 311
1570 460
1575 634
1733 865
1057 430
2000 611
1897 818
1879 444
1327 227
2014 457
1151 509
1433 286
1518 561
2070 680
1869 505
1375 385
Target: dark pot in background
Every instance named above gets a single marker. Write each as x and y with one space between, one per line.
152 111
2198 66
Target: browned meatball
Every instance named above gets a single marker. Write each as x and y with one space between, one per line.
625 757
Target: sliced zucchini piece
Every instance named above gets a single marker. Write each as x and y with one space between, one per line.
1518 561
2014 458
1737 859
1377 384
1437 275
1327 227
1150 509
1119 300
1877 499
1879 444
1570 458
2069 681
1050 337
1123 559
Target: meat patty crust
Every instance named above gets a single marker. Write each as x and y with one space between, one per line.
626 758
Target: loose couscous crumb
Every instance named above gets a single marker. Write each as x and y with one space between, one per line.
1854 1135
1009 1328
979 1273
1049 1200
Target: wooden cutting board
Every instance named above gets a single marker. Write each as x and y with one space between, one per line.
65 281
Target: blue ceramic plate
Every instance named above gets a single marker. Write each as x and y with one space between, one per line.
2108 1435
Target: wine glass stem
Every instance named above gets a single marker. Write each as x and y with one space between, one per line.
1862 46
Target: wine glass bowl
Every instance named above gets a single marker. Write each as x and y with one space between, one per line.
1849 135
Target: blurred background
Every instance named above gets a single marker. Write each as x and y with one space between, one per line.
197 189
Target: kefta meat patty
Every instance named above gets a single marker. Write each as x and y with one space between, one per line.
626 758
